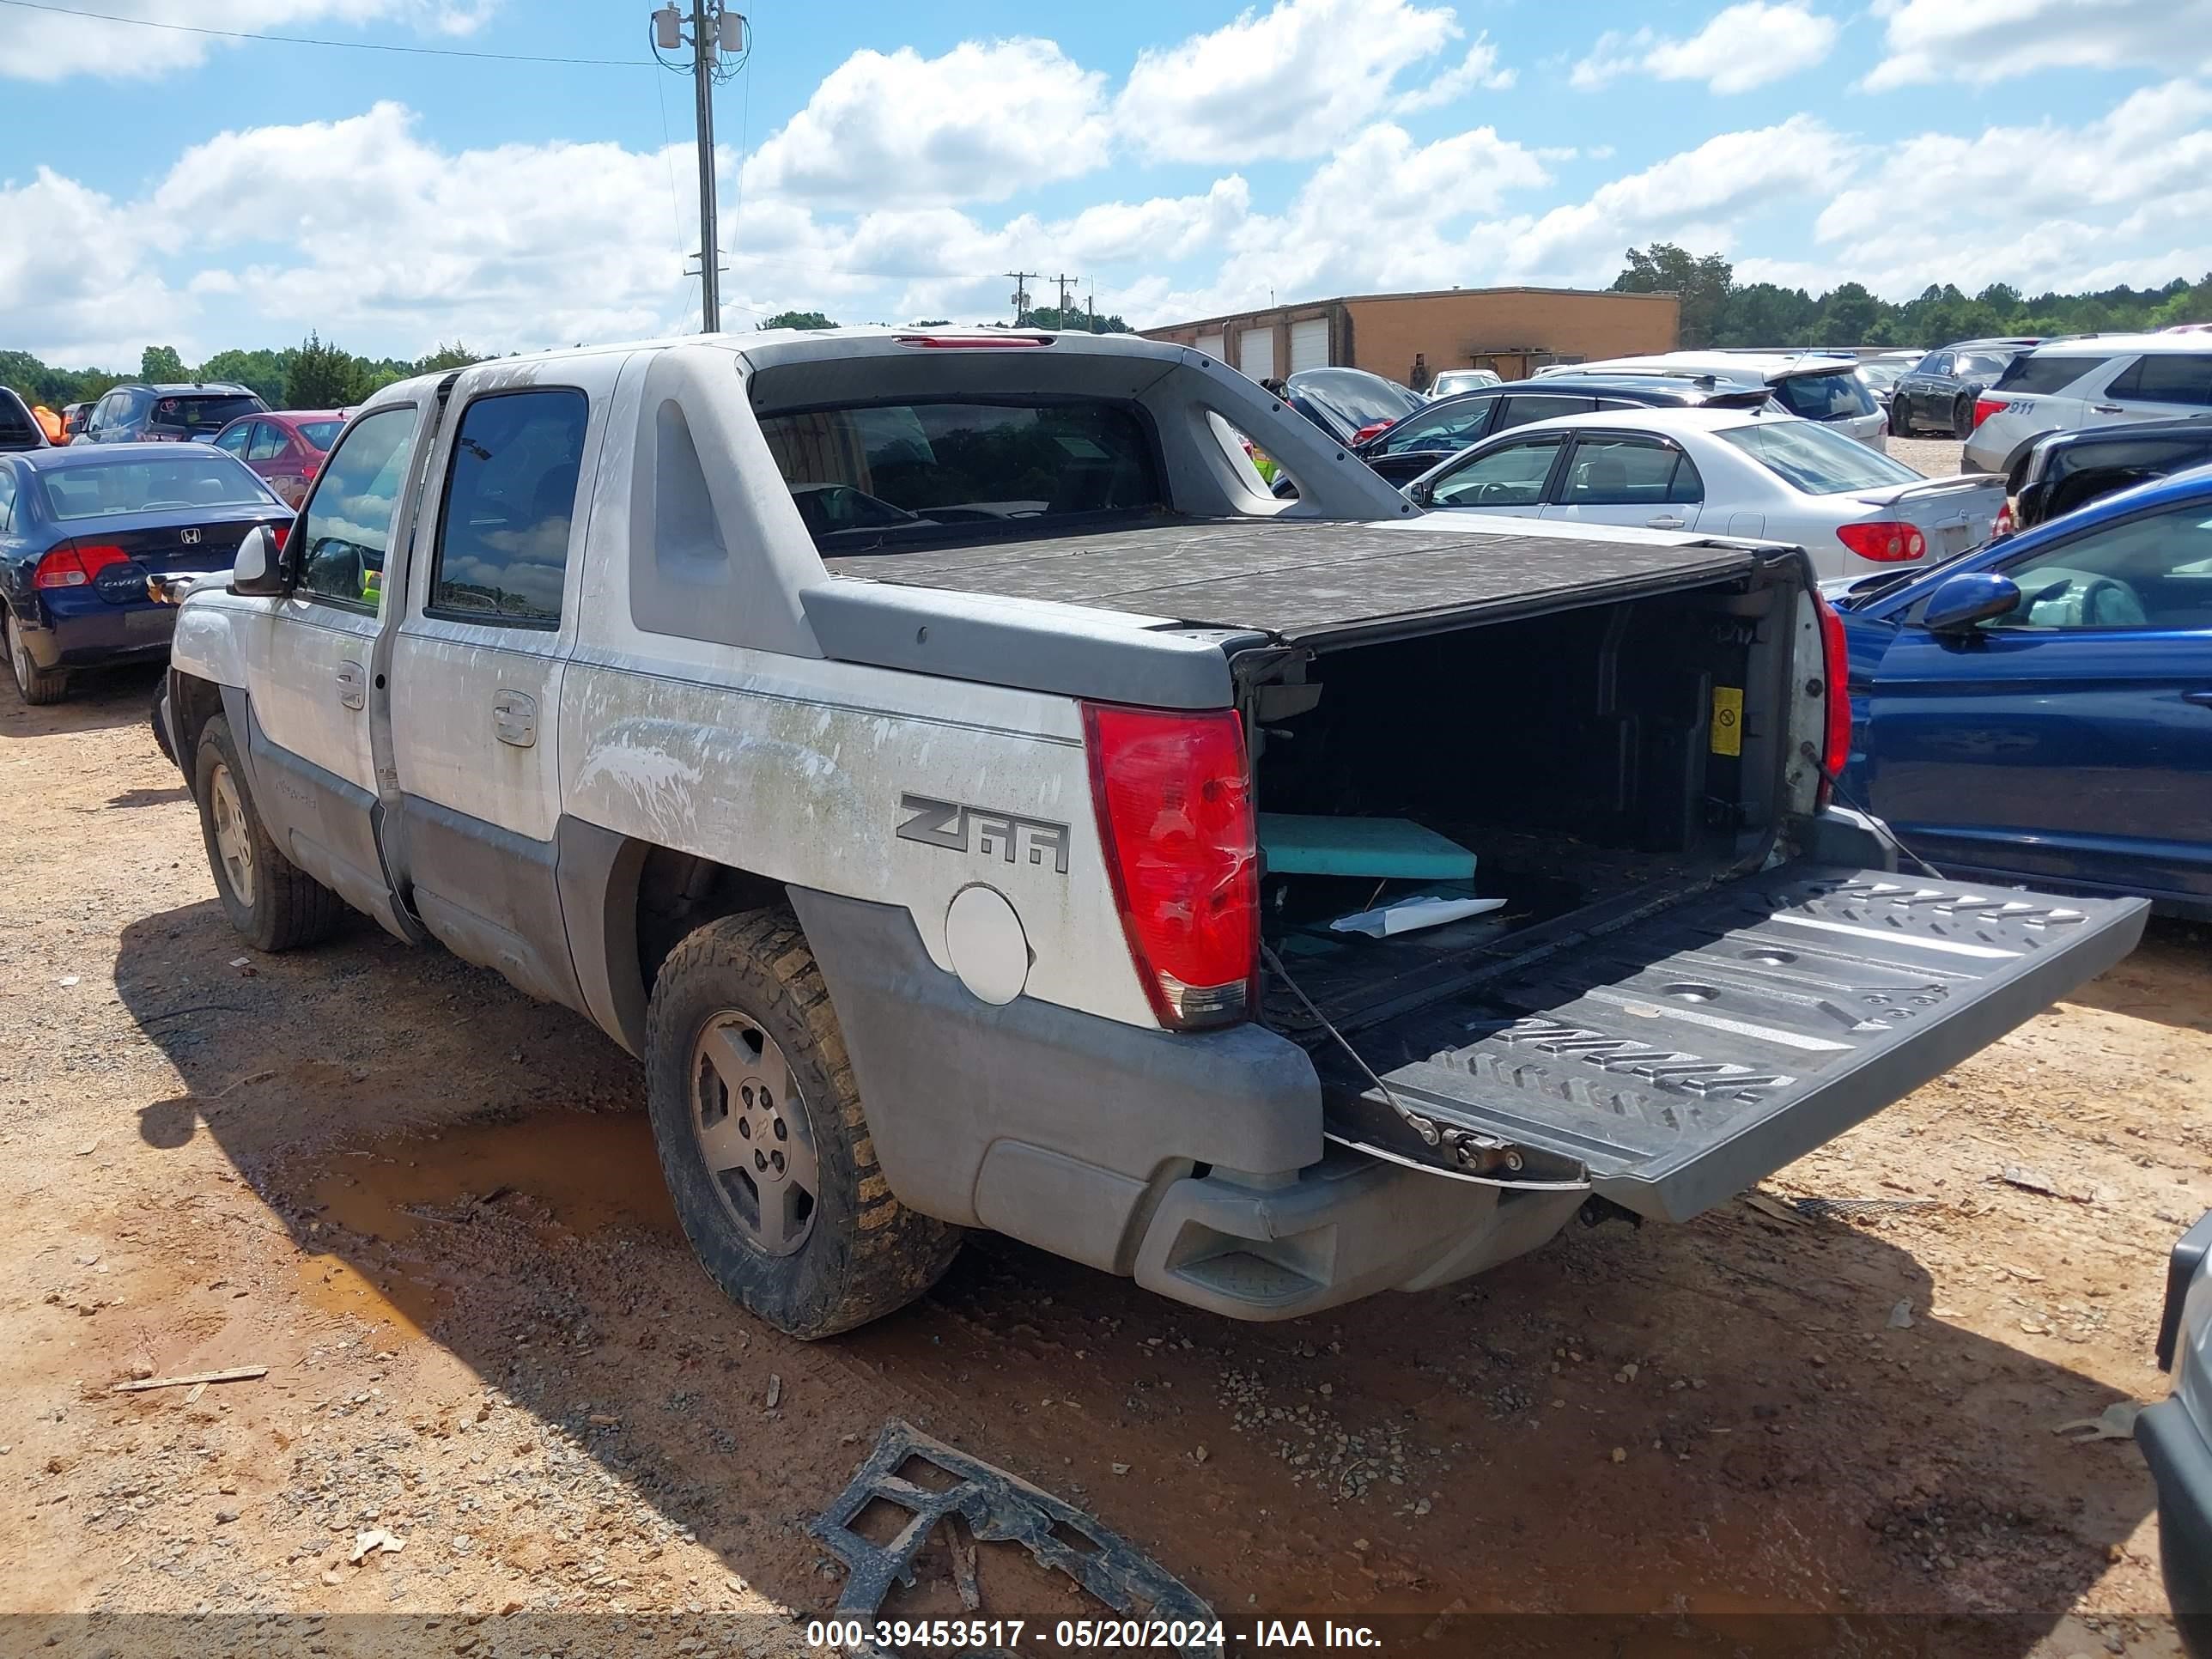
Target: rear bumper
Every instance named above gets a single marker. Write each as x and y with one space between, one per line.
2181 1463
1194 1164
69 637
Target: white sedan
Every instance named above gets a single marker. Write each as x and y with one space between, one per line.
1752 472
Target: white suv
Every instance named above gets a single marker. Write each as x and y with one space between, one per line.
2097 380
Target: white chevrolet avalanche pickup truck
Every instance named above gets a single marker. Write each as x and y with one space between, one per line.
941 760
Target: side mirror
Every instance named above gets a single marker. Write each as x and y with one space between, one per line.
1967 600
1421 492
258 572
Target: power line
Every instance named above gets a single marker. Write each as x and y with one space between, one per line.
307 40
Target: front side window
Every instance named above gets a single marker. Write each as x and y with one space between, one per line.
1815 459
510 499
233 439
1629 472
1453 427
2151 572
99 489
346 529
887 473
1511 475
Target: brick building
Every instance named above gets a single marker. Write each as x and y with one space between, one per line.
1513 330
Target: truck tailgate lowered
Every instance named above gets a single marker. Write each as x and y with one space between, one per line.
1674 1063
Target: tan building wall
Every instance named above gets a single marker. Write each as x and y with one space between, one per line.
1513 330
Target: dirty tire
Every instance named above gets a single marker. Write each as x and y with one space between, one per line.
39 686
866 1254
153 719
1900 418
287 908
1962 419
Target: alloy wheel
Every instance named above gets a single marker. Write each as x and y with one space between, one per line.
751 1123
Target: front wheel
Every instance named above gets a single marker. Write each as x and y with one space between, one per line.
39 686
273 903
763 1140
1900 416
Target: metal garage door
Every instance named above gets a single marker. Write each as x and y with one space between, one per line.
1309 345
1255 352
1213 346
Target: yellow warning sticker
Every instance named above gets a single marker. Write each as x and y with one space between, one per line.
1728 719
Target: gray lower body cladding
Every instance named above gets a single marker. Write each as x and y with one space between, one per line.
1194 1163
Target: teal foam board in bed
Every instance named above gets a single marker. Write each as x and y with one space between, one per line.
1295 844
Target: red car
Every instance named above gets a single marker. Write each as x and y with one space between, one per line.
286 447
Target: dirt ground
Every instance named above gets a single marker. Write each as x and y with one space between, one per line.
431 1209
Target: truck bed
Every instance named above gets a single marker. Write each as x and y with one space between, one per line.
1300 580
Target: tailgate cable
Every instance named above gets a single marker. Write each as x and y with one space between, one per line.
1880 827
1458 1143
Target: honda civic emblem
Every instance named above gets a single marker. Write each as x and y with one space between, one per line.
191 538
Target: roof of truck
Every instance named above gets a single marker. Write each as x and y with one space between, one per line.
1299 579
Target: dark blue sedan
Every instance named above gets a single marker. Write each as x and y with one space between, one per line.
2040 709
83 528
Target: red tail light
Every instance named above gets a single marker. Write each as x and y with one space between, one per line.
1836 678
1373 428
1985 407
73 564
1174 798
1886 542
277 532
972 341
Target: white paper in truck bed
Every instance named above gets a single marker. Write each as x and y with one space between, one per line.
1410 915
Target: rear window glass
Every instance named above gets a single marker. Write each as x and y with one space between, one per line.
2039 372
1360 397
886 469
102 489
321 434
1816 460
200 413
1825 396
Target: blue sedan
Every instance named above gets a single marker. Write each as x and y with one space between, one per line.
2040 709
82 529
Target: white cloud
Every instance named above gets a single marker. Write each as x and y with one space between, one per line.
69 255
1744 46
1985 40
50 46
1694 198
983 122
1289 82
1479 68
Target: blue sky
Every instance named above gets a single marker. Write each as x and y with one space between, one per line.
882 163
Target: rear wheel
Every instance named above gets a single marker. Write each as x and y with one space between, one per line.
273 903
38 685
763 1140
1962 418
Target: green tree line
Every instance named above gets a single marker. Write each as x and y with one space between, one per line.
1717 311
315 373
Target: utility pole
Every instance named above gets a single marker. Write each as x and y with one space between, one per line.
1090 311
1021 292
721 42
1064 279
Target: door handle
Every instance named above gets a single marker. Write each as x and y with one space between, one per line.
515 719
352 679
2108 409
2202 699
1665 522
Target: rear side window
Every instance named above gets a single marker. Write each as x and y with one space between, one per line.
1825 396
1629 472
19 428
7 498
898 471
1981 365
2168 377
2038 373
1519 411
510 498
269 440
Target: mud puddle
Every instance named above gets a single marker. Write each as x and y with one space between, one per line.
402 1224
